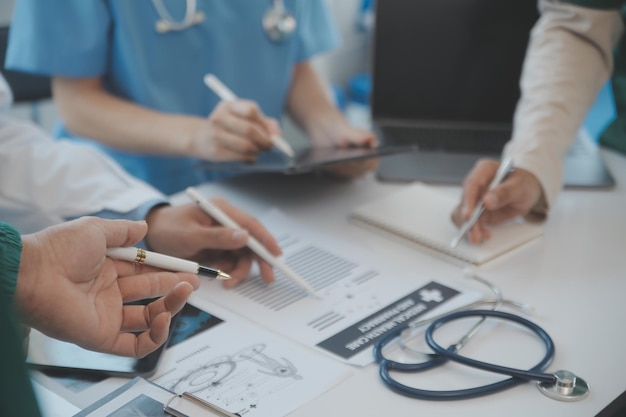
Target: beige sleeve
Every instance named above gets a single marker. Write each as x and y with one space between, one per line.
569 59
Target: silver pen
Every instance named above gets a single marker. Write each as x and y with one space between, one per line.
141 256
503 171
256 246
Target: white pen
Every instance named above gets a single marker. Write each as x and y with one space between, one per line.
505 169
226 94
141 256
256 246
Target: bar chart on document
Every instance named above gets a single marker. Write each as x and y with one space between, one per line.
359 302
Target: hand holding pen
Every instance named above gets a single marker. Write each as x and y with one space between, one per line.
170 263
504 169
225 94
257 247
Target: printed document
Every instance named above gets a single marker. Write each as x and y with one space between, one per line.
362 297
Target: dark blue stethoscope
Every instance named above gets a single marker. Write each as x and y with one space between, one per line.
560 385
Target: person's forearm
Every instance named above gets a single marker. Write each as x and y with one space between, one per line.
310 105
27 155
89 111
569 59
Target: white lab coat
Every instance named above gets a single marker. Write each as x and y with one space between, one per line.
45 181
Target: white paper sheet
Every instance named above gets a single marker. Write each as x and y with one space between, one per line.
361 297
247 370
235 365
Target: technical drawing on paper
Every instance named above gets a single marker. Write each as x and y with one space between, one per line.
240 380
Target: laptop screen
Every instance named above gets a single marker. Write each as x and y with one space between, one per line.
451 61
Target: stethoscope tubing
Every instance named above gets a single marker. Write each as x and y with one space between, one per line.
442 355
528 375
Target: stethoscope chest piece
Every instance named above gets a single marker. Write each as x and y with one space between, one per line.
568 387
278 23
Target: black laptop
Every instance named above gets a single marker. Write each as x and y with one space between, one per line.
446 79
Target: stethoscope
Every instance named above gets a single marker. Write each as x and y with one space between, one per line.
560 385
277 22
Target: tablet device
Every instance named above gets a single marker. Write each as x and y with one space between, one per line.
48 354
306 159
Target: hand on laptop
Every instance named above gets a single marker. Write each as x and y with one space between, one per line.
518 195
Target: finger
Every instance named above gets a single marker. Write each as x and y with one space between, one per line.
122 233
237 147
456 216
500 216
475 235
128 344
153 284
273 126
254 132
250 112
240 272
219 238
363 138
475 184
249 223
267 271
138 317
509 192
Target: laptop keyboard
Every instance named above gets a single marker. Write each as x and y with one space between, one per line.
454 140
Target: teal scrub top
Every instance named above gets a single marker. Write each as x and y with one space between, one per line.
117 40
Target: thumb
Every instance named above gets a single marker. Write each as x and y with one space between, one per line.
121 233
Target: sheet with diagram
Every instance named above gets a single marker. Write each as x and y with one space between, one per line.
246 370
362 297
220 358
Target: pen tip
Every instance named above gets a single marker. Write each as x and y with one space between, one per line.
223 275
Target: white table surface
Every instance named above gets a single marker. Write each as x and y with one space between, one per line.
574 277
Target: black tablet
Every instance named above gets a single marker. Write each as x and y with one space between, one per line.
48 354
307 159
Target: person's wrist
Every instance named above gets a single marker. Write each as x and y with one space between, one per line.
153 223
193 131
24 299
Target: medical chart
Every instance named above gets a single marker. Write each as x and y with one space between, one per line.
358 304
232 363
245 369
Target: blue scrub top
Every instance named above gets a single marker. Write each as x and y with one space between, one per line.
117 40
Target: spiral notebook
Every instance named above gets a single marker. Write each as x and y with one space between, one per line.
420 215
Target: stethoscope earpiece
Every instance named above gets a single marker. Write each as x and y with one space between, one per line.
165 25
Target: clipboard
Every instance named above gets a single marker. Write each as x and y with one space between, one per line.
62 358
142 397
188 405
